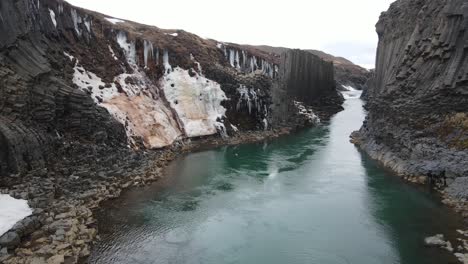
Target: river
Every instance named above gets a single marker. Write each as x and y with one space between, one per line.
311 197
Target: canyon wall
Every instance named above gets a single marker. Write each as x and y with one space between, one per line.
346 73
73 75
418 101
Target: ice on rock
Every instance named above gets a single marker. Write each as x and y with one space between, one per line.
166 64
139 109
91 83
76 21
112 53
114 20
88 24
12 211
68 56
231 57
128 47
197 102
52 17
249 96
148 52
199 68
308 113
265 124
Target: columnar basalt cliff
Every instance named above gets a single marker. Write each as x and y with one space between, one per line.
84 97
68 73
418 101
347 74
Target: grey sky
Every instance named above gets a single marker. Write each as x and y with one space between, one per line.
340 27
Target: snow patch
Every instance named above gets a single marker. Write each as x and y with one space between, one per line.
197 101
172 34
114 20
112 53
68 56
306 112
234 128
265 124
12 211
52 17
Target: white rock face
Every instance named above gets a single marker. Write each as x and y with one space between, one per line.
139 107
196 100
12 211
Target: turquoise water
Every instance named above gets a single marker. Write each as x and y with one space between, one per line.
311 197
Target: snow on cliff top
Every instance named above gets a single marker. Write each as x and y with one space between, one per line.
114 20
12 211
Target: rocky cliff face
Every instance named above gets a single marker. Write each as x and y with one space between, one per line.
68 74
418 103
346 73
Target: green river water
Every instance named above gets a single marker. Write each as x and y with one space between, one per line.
311 197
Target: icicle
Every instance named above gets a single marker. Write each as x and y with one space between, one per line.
166 64
149 52
129 48
237 60
157 56
231 57
88 25
76 21
52 17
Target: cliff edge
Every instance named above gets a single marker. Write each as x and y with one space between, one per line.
417 122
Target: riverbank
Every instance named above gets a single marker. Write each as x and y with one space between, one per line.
62 226
451 195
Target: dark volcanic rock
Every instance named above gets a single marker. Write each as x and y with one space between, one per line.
418 103
71 75
346 72
306 78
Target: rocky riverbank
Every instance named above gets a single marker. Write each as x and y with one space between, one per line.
62 227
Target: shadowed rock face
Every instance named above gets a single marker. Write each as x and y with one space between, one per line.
346 73
304 77
307 76
69 74
418 100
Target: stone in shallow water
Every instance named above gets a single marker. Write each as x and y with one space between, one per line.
437 240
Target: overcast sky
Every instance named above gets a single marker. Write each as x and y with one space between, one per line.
340 27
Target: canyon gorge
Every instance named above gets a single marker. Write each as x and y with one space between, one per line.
92 106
